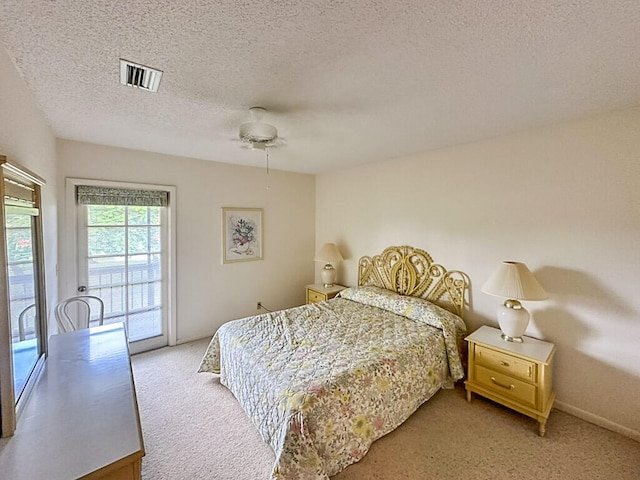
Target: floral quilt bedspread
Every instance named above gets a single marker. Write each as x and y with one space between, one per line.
322 381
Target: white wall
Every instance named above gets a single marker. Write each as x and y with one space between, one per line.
564 199
25 138
208 292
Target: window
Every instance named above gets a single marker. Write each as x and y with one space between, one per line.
123 265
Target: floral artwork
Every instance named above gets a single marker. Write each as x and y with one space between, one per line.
242 234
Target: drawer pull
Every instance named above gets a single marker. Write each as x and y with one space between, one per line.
503 363
508 387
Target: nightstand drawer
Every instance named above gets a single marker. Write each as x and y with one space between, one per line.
506 386
504 363
320 293
314 296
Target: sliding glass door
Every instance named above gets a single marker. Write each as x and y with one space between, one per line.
21 267
22 293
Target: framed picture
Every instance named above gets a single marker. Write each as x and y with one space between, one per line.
241 234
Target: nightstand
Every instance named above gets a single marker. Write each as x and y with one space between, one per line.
320 293
516 375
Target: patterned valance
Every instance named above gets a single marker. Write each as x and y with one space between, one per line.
92 195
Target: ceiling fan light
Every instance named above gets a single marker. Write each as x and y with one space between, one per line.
258 145
253 132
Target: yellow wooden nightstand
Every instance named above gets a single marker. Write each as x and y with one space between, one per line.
320 293
516 375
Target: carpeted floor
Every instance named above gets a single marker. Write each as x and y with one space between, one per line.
194 429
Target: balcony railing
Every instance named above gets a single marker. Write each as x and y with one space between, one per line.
143 316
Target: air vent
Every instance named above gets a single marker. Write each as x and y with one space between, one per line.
139 76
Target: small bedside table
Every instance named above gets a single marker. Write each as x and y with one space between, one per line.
319 293
516 375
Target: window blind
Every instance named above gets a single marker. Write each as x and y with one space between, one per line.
18 193
93 195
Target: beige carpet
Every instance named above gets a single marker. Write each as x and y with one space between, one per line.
194 429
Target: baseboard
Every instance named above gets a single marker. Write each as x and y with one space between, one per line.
192 339
597 420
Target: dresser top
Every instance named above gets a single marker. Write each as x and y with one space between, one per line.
82 414
531 348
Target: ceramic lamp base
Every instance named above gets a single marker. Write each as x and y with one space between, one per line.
328 275
513 319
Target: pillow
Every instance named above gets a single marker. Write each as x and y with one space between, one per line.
415 308
420 310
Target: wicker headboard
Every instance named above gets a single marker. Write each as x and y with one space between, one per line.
411 271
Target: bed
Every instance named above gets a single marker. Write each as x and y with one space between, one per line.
321 382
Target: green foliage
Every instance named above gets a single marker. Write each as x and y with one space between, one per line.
106 215
15 220
107 232
19 242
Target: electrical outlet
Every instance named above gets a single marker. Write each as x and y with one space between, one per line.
259 306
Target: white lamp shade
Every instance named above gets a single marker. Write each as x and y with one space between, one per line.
514 280
329 253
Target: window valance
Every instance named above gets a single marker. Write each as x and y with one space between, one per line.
93 195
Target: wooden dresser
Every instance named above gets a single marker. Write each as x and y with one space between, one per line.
516 375
81 420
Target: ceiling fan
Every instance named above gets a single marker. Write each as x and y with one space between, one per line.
259 135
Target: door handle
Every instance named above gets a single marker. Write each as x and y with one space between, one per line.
82 289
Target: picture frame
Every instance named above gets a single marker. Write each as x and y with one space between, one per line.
241 234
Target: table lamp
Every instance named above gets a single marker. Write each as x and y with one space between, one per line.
514 281
328 254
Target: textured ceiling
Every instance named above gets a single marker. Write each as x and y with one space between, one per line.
345 82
